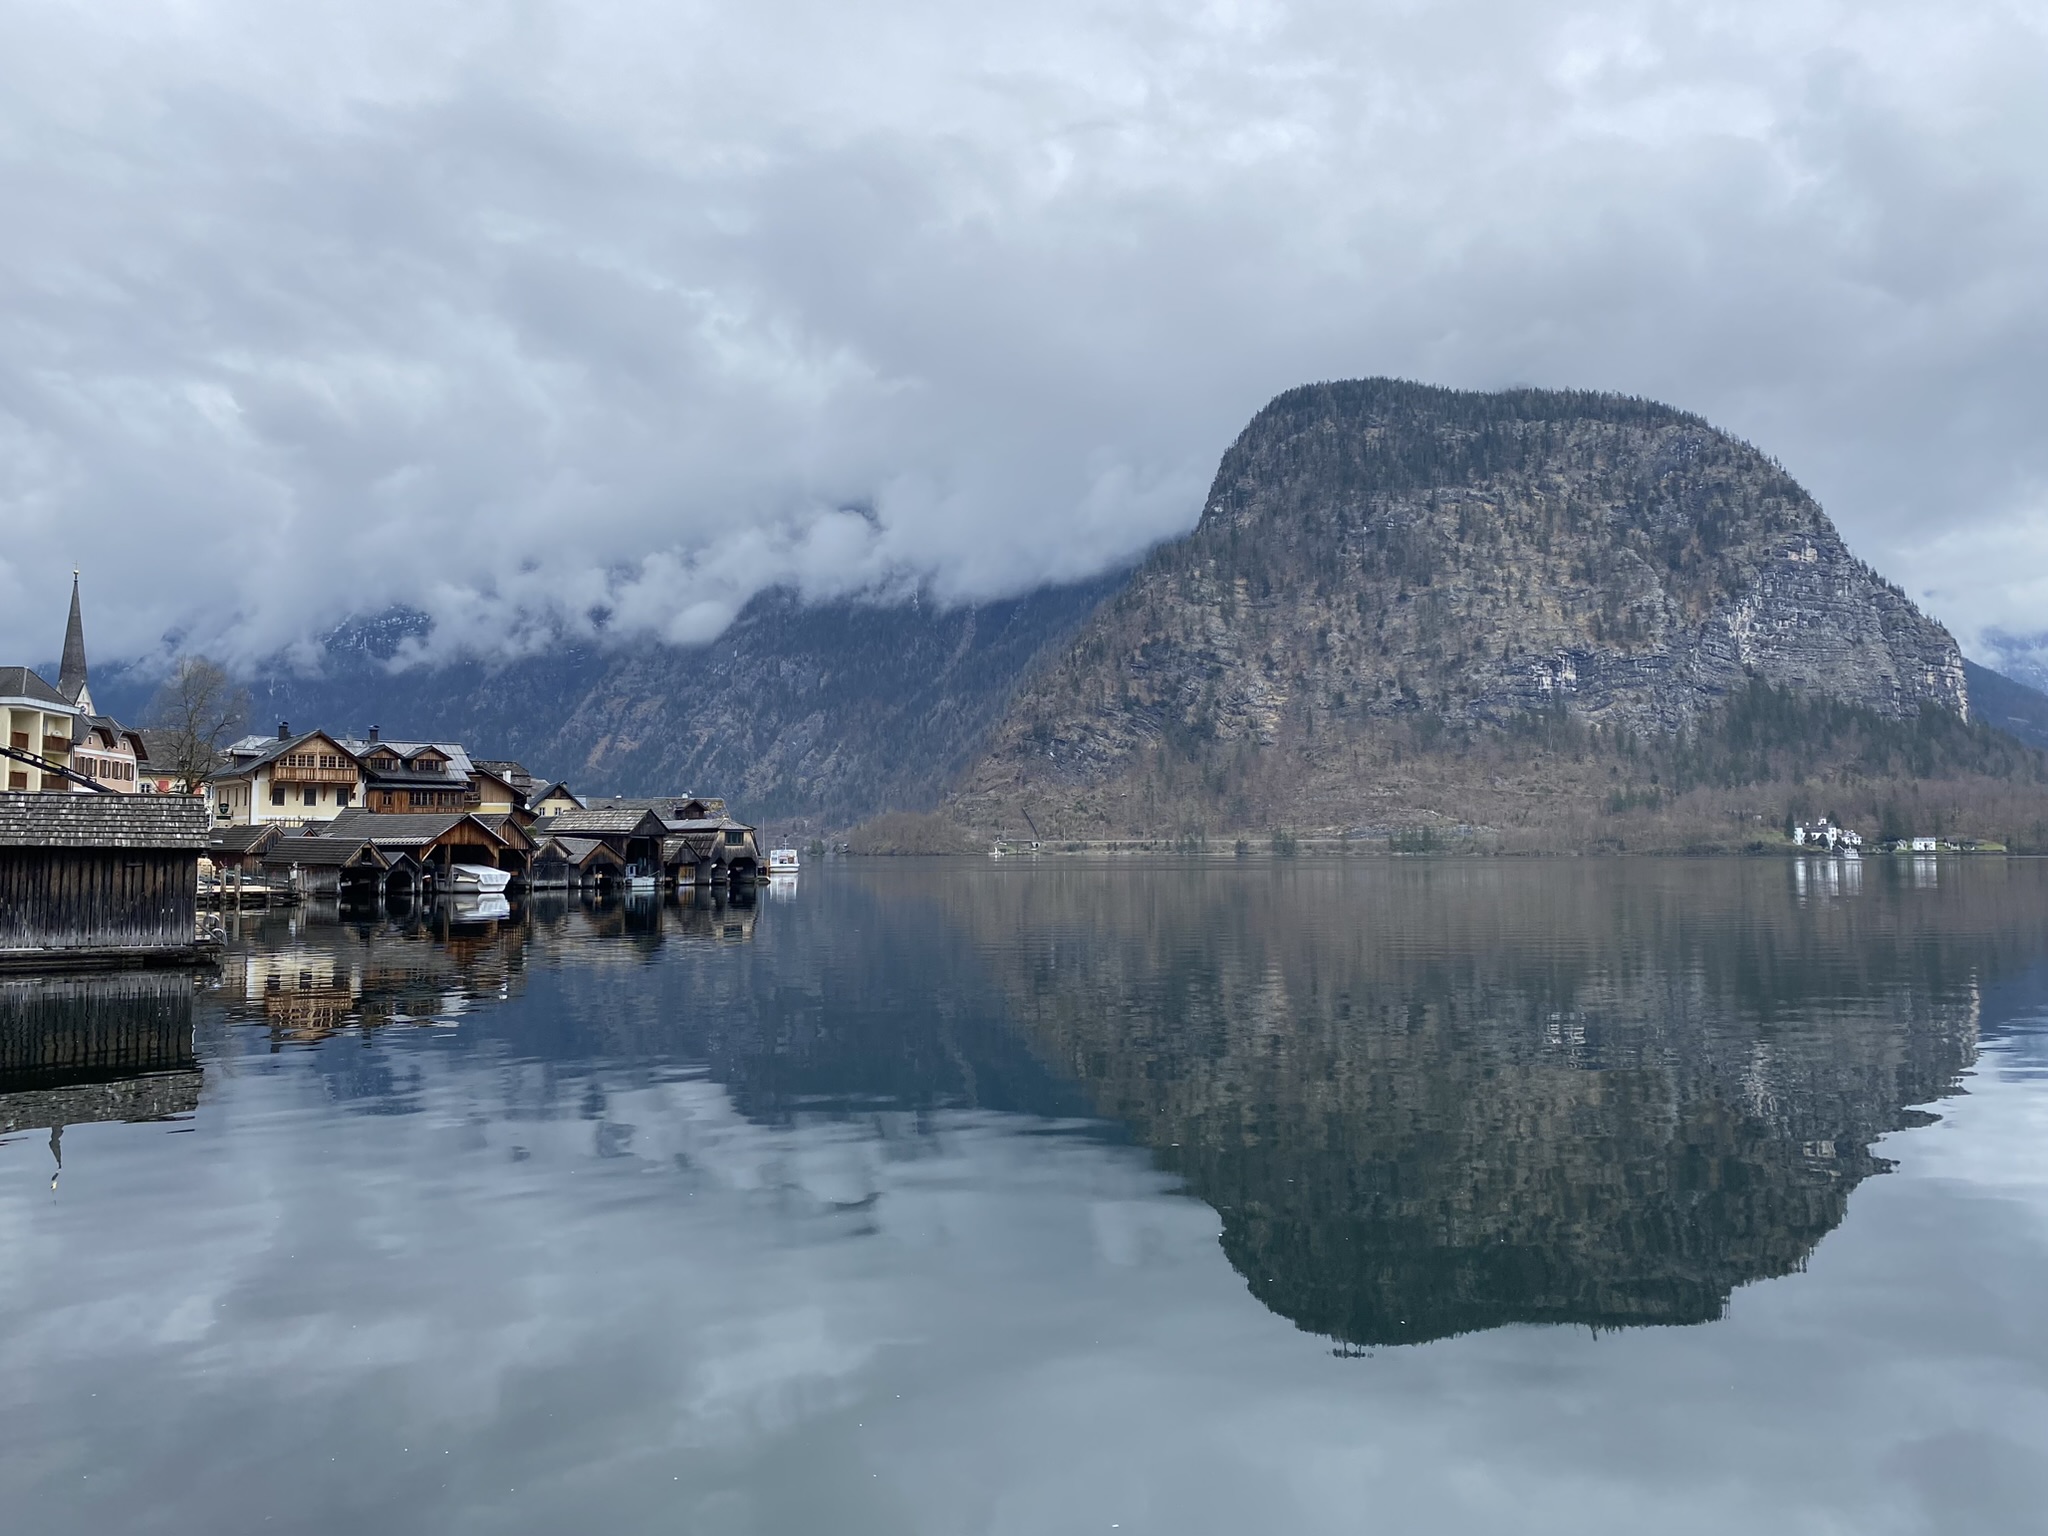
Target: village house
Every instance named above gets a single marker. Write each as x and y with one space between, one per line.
513 776
40 722
287 779
1824 834
413 777
112 756
554 800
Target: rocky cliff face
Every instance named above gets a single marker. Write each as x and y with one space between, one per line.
1377 551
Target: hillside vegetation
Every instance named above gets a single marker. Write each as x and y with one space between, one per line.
1518 620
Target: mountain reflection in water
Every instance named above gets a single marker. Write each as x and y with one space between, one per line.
1450 1096
1425 1097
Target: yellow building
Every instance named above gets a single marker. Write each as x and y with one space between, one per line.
554 800
35 718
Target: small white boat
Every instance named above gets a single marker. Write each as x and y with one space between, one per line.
782 861
485 878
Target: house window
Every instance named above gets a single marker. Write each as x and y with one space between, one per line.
342 795
735 837
312 794
418 796
277 794
17 781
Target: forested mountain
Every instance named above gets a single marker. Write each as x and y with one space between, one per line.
1515 617
2014 707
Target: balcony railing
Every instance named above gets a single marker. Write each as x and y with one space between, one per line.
279 774
56 746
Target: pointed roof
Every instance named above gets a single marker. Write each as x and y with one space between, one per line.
71 670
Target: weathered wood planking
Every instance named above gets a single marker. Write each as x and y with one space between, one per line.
97 898
101 1047
116 873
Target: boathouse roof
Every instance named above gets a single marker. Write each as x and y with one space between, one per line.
581 850
244 839
402 829
708 824
608 819
53 820
335 852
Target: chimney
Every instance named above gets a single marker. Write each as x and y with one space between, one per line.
373 735
284 731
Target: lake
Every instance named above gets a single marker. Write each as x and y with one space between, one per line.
1054 1196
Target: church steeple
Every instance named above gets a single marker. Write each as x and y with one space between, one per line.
71 670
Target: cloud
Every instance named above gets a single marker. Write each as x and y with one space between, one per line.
533 315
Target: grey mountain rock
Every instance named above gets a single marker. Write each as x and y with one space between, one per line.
1378 550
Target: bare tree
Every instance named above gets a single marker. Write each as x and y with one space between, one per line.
195 713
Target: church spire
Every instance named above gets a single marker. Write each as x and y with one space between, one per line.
71 670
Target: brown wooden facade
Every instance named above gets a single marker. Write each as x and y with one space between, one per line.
87 876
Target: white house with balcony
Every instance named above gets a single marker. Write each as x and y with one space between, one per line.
286 779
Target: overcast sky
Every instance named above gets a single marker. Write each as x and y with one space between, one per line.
519 311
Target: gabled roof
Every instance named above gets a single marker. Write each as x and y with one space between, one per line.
487 771
507 825
668 807
253 752
603 820
581 850
25 683
101 821
244 839
115 728
324 852
559 787
405 829
456 753
512 772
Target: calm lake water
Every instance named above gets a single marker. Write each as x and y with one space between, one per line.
936 1197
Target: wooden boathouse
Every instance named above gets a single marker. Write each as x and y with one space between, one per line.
99 879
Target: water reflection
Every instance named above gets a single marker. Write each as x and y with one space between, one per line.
1448 1097
860 1211
76 1050
1424 1098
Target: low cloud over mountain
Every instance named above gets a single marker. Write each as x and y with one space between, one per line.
603 318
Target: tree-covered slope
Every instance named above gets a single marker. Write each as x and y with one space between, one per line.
1390 582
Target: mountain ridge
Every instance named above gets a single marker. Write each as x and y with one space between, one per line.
1395 589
